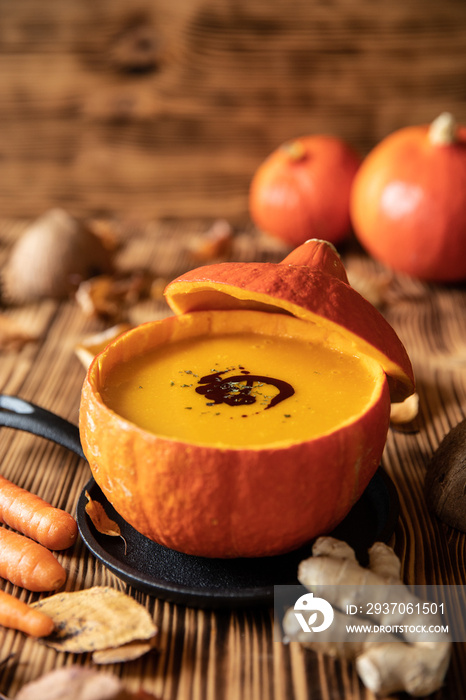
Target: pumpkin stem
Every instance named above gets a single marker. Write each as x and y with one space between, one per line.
295 150
442 131
318 255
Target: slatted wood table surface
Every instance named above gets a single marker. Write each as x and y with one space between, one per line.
202 654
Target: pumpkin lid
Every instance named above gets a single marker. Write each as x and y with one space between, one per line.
310 284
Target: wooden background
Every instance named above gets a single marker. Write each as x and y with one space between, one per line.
166 107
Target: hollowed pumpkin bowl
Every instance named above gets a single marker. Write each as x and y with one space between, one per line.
243 432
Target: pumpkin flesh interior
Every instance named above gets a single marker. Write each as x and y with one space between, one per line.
237 378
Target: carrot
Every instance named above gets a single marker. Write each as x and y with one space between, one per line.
20 616
28 564
32 516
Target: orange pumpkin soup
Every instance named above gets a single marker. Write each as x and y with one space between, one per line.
240 389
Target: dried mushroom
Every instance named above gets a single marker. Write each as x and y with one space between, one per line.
55 253
446 478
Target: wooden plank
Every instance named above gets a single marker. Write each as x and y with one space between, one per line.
166 109
205 655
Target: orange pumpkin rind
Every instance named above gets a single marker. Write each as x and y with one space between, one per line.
214 501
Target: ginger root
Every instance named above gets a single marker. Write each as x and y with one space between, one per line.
386 663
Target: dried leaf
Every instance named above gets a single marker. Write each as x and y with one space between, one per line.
101 521
376 289
97 298
157 288
109 296
106 231
135 286
89 347
125 652
12 335
94 619
214 243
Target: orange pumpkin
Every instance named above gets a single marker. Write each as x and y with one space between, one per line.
208 496
408 202
302 190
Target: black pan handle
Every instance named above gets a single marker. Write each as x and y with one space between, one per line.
23 415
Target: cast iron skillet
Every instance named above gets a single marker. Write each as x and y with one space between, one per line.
23 415
186 579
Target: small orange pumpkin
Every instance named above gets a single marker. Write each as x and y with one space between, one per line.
213 497
302 190
408 203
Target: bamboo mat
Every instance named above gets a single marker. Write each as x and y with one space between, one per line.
231 655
